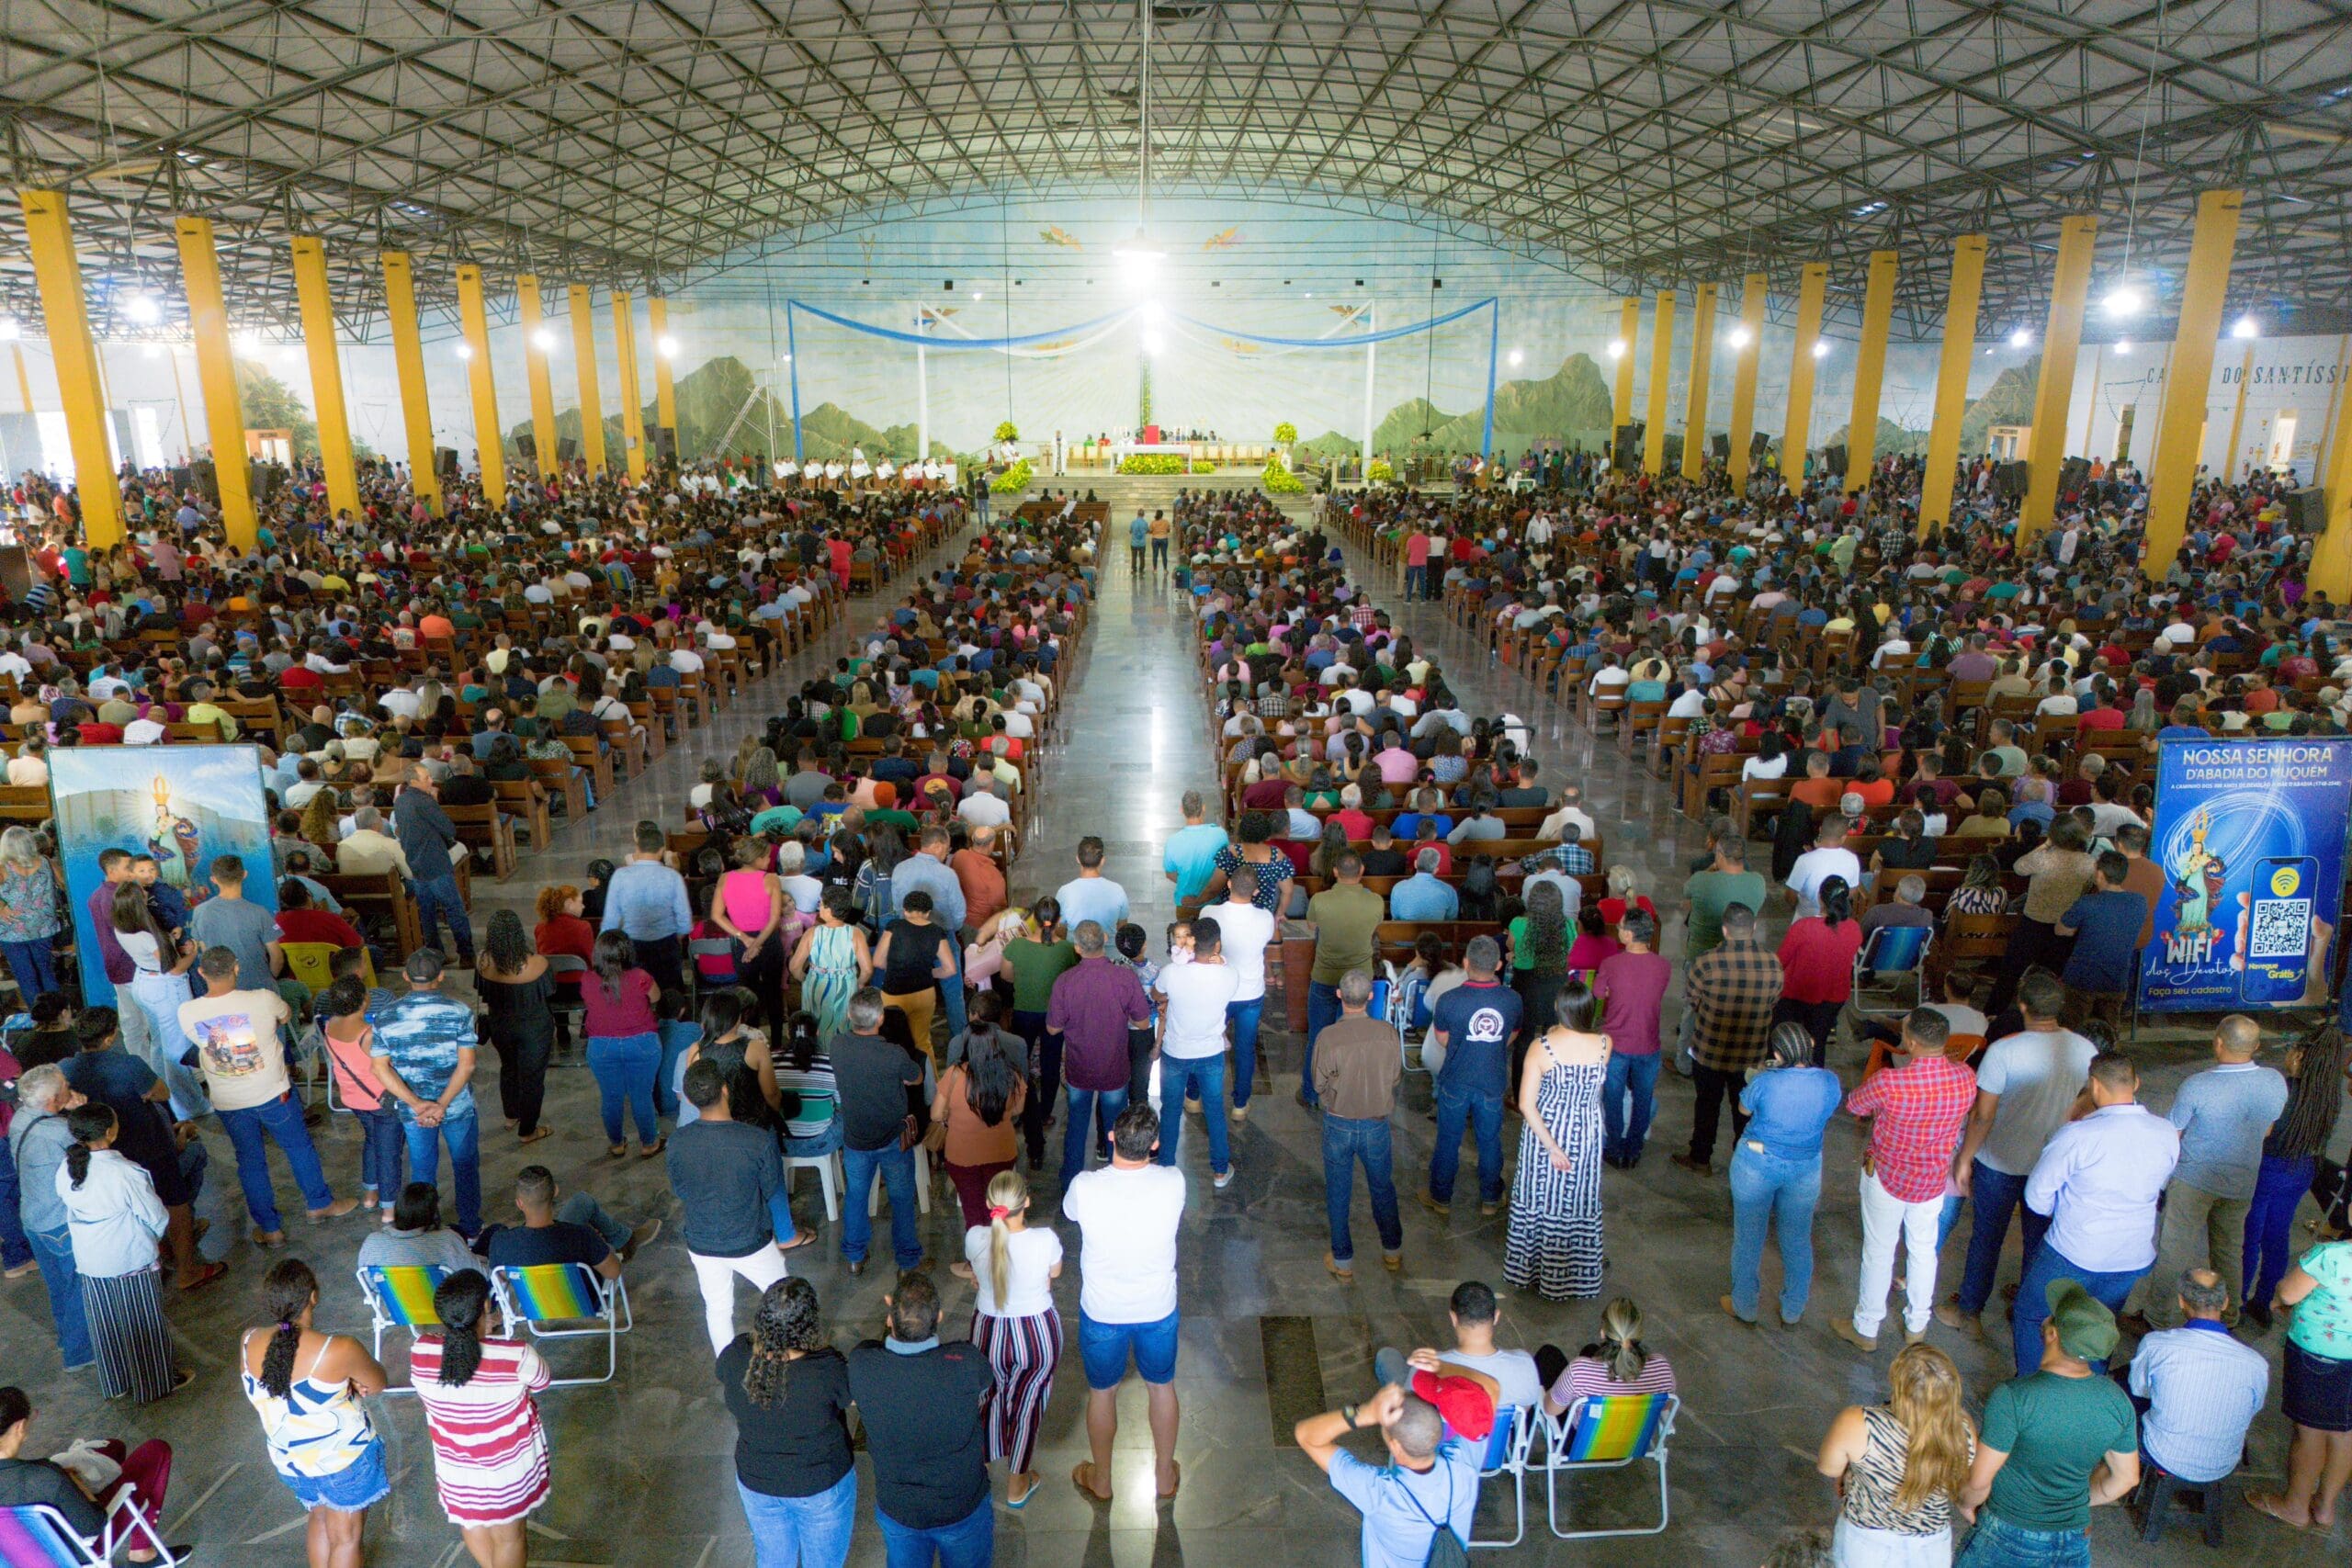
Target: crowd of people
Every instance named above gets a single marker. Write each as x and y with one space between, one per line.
847 955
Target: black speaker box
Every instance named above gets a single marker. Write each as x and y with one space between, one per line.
203 476
445 461
2308 509
1628 454
1721 445
1758 444
1669 459
527 447
567 450
665 443
2009 480
2073 474
1837 455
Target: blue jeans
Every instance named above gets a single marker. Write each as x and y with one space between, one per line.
802 1532
34 963
581 1210
969 1543
1993 1194
1417 581
1095 1107
1347 1140
282 1118
383 1145
463 1135
2032 1309
898 1168
1322 1011
951 992
1244 1017
626 1066
1206 1075
1767 1191
677 1038
1620 1136
2270 1225
54 1250
1482 1110
438 900
14 1249
1997 1544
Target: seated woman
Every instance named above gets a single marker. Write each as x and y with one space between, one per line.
69 1487
1616 1363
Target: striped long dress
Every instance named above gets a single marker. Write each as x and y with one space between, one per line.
490 1452
1555 1245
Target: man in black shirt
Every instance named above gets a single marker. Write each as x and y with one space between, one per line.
579 1232
923 1406
871 1076
1384 858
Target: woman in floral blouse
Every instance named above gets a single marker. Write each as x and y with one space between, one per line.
28 913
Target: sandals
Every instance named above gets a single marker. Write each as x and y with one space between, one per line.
210 1274
1170 1495
534 1137
804 1238
653 1149
1083 1478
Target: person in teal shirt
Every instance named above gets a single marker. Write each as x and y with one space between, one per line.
1191 855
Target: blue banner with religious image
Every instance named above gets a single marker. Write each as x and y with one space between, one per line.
2250 836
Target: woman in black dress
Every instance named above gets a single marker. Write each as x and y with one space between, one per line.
512 983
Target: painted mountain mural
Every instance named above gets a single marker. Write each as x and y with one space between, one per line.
2009 401
723 411
1894 440
1573 403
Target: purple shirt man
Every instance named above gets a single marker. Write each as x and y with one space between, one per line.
1093 1006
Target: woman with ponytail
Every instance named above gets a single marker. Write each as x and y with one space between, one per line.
1014 1324
1899 1465
117 1222
788 1392
1618 1362
307 1387
490 1452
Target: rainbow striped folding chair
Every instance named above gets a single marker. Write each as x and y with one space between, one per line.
400 1298
1610 1432
546 1293
34 1534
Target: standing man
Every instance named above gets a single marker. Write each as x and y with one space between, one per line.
429 840
1246 932
927 871
1916 1109
1729 996
231 920
1194 1000
1714 888
1192 850
2099 1181
2053 1444
1091 896
1471 1028
1345 916
1357 1060
1128 1215
424 1050
2026 1087
871 1077
2223 1115
1632 985
235 1035
924 1404
729 1178
2105 923
645 900
1138 532
1094 1005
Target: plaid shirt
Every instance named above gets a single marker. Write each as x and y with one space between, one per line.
1917 1116
1731 992
1569 859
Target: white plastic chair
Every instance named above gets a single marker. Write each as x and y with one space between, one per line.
829 1178
923 1186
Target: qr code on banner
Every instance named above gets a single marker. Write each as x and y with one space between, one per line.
2282 928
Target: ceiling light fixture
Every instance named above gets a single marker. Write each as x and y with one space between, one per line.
1738 337
2245 327
10 329
2123 302
2020 339
143 310
1617 348
1821 348
1518 355
666 347
544 341
464 350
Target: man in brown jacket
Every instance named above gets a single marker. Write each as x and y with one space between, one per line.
1357 1061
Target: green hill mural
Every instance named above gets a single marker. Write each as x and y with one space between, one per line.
2009 401
709 398
1894 440
1573 403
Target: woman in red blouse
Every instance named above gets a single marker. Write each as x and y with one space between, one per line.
563 930
1817 966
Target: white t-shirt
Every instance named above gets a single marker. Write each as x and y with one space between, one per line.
1197 994
1247 929
1513 1370
1127 1221
1031 1256
236 1044
1816 866
2037 1074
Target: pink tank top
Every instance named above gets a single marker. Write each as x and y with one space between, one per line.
746 892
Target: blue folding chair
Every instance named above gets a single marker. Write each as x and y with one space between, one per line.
1610 1432
34 1534
539 1294
1506 1452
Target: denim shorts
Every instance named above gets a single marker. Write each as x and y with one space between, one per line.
1103 1347
356 1485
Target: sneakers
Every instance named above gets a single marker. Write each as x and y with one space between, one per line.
1948 1312
1843 1328
1223 1179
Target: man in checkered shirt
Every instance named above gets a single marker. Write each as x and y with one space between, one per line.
1918 1109
1730 991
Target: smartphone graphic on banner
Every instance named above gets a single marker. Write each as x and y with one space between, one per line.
2278 930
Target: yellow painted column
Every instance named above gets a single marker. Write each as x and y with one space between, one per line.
591 410
326 372
48 234
2062 342
1796 431
1962 297
665 395
1702 364
2332 557
489 446
1748 352
536 342
632 411
408 359
1628 332
24 377
1870 371
2237 418
216 374
1661 368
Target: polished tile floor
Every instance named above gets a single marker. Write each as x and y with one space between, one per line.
642 1468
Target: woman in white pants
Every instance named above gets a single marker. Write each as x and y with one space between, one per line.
1898 1465
730 1178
